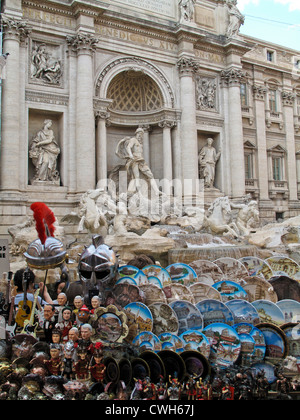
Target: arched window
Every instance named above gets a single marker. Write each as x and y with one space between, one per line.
134 91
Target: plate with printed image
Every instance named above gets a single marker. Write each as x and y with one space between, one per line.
188 315
182 273
214 311
258 337
133 272
269 312
164 319
230 290
158 272
195 340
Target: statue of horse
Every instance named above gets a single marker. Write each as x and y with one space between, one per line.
219 218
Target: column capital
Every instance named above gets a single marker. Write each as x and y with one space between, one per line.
82 43
232 77
288 98
167 124
187 65
15 29
259 92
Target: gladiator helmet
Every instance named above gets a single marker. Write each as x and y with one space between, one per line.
97 267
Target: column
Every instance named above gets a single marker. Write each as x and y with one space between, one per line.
189 140
102 117
231 80
288 115
262 158
14 32
85 46
167 156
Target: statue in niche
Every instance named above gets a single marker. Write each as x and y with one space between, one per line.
236 19
187 10
43 67
206 94
44 152
208 158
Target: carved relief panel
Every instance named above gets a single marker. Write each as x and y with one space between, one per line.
46 63
206 93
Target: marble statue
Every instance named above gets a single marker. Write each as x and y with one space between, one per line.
236 19
96 211
131 149
44 152
219 218
187 10
247 217
208 158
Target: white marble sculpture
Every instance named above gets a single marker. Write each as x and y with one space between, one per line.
208 158
187 10
44 152
236 19
219 218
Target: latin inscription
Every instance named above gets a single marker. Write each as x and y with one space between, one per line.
159 7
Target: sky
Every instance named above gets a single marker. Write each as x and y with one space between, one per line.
276 21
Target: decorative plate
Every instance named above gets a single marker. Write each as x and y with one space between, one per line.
258 288
140 316
154 280
127 280
188 315
284 266
292 332
164 319
243 311
177 291
147 341
182 273
152 294
123 294
269 312
233 269
225 344
257 267
290 309
230 290
258 337
109 325
247 346
276 341
207 272
134 272
202 291
171 342
159 272
214 311
195 340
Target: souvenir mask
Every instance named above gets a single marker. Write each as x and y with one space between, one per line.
97 268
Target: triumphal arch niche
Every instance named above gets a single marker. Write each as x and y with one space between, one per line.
130 93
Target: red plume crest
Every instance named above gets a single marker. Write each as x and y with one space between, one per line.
44 219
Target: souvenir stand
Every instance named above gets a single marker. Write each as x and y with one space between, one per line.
156 333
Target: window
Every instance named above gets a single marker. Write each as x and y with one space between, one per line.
244 94
248 166
270 56
277 169
273 100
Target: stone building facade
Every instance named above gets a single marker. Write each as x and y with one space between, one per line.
98 69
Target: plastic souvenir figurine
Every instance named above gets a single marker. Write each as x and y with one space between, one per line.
66 324
74 336
98 268
54 364
283 387
227 393
137 393
86 334
49 322
262 385
149 389
83 315
62 302
97 367
161 389
191 388
78 303
174 389
81 368
67 364
96 303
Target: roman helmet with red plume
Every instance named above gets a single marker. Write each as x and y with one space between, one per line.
47 251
